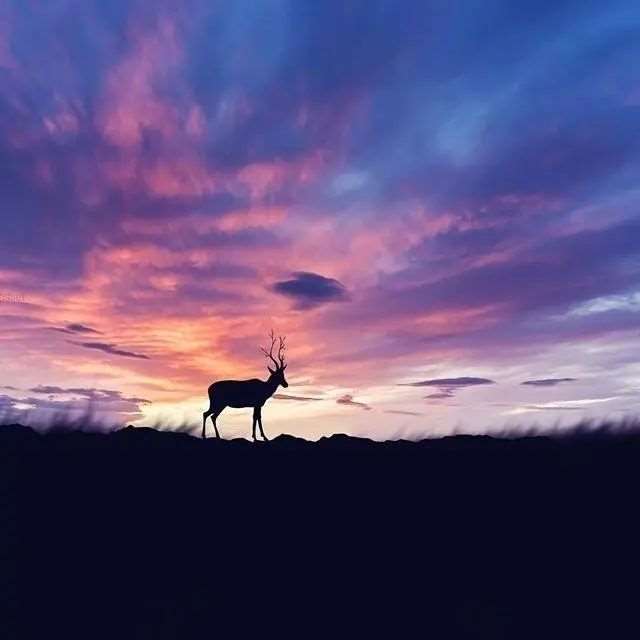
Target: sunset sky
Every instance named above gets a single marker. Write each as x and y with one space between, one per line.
437 203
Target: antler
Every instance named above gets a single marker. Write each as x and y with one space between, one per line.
281 349
269 354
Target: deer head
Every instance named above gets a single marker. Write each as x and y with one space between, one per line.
277 374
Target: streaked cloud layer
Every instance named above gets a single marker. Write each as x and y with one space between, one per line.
411 192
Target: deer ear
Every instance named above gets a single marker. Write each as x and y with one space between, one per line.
271 370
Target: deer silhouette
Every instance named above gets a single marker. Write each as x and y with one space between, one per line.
247 393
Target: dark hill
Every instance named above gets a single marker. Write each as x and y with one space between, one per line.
149 534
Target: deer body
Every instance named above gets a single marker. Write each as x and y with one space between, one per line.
246 393
243 393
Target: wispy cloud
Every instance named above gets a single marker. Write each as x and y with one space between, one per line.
68 403
348 400
547 382
447 387
284 396
76 328
604 304
110 349
563 405
102 395
399 412
440 395
450 383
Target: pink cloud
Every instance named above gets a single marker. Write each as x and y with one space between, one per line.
183 177
130 101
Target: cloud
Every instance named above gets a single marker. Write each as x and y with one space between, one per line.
284 396
7 404
311 289
440 395
562 405
76 328
101 395
450 383
547 382
111 349
54 390
538 407
105 404
348 400
448 386
399 412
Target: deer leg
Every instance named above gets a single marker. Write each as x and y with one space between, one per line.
260 424
255 420
205 415
214 417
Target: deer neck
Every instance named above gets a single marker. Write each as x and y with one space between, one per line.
271 385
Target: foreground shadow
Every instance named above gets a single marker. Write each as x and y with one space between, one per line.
145 534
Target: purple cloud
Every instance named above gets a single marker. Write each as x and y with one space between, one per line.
547 382
448 386
311 289
440 395
450 383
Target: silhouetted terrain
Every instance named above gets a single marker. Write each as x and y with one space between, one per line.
148 534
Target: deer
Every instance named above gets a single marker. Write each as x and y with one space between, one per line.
248 393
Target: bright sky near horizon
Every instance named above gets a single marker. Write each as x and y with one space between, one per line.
437 202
